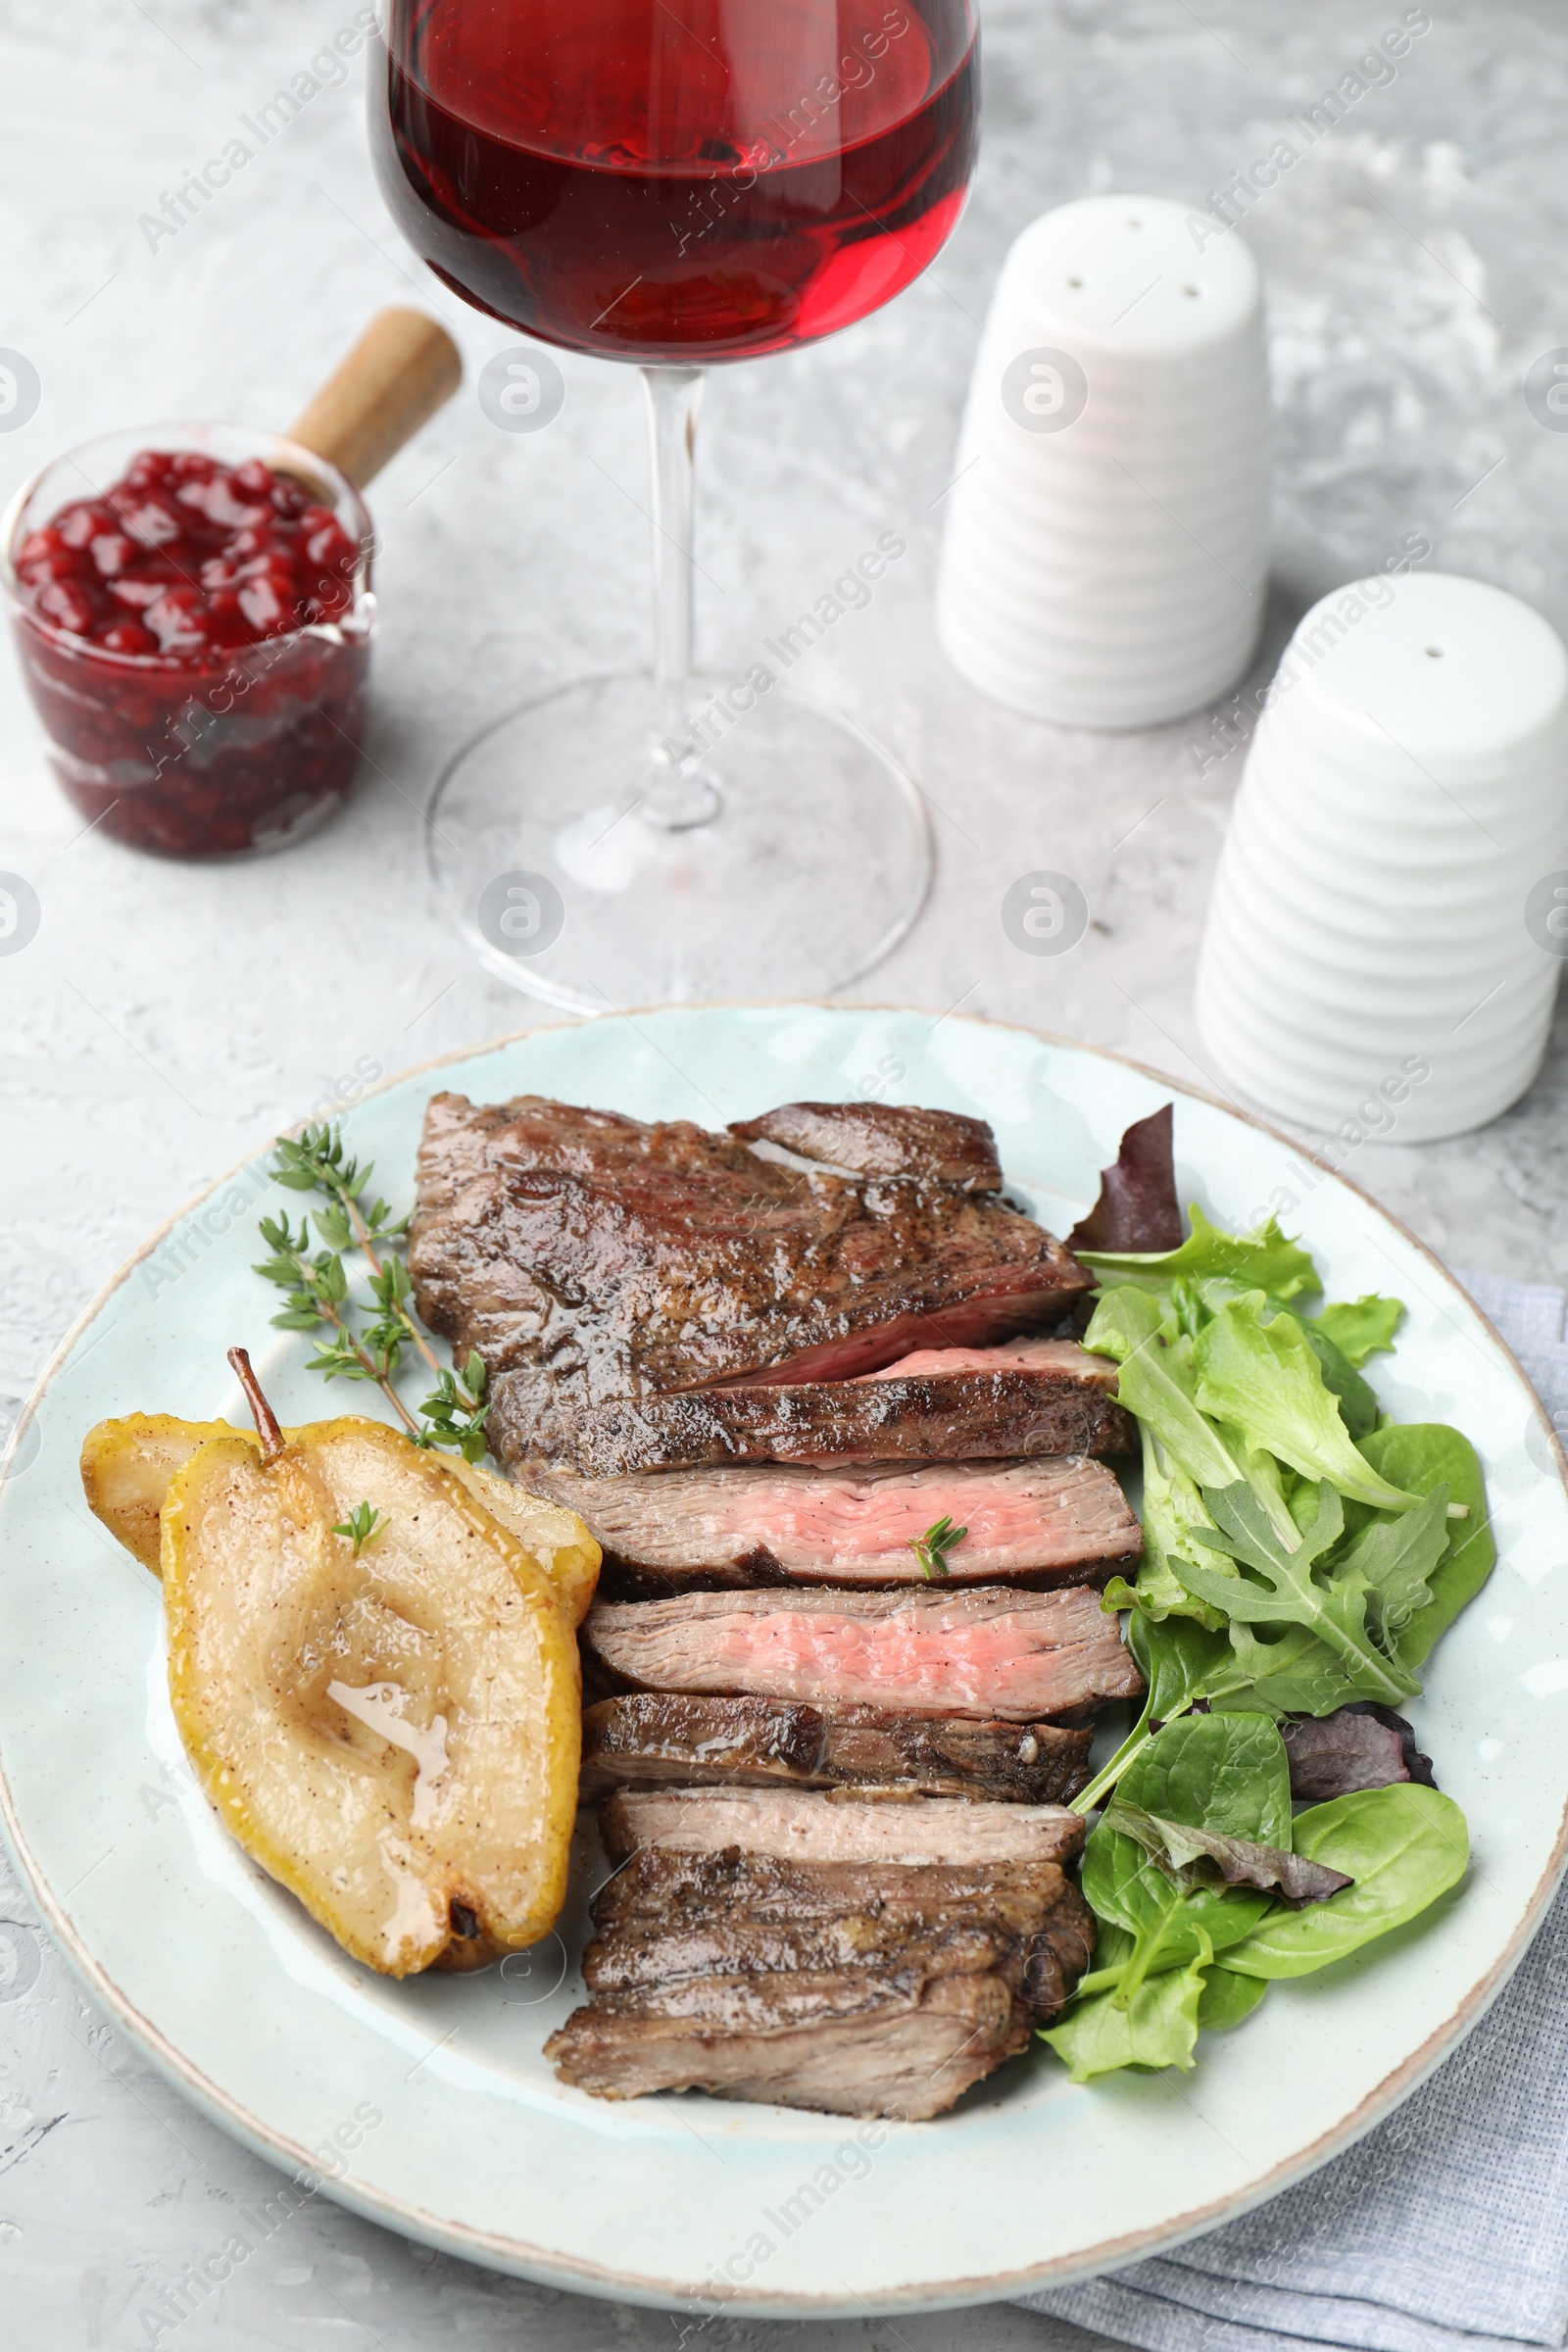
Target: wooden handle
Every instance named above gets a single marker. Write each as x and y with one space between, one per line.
397 375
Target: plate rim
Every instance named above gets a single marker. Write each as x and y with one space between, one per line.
578 2274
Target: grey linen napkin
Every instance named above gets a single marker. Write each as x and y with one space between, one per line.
1446 2226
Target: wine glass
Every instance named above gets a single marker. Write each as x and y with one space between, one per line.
677 182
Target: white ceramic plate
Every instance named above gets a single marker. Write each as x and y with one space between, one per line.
429 2104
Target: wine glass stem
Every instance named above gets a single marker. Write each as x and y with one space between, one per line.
675 794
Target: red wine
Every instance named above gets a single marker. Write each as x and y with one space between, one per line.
704 180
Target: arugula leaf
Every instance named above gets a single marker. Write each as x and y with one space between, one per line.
1192 1859
1264 1260
1227 1998
1404 1846
1334 1613
1157 1382
1361 1326
1158 2027
1266 1379
1424 1455
1394 1558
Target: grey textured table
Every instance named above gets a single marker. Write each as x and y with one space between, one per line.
165 1021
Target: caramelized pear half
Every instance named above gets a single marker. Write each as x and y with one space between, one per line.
127 1466
393 1732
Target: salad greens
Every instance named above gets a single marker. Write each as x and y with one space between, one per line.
1301 1552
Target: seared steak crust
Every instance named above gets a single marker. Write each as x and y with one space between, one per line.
985 1652
647 1738
883 1139
856 1988
608 1259
968 1415
1058 1521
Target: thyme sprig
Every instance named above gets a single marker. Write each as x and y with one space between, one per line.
932 1548
318 1296
361 1526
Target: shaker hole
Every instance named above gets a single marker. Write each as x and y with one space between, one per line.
1192 290
1434 653
1075 281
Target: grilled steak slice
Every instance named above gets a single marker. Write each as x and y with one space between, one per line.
804 1826
837 1986
985 1652
913 2056
604 1260
1043 1523
1138 1207
1026 1397
883 1139
649 1738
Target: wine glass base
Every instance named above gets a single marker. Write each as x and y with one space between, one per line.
815 867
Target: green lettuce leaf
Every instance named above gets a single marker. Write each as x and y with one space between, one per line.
1264 1378
1403 1846
1361 1326
1156 2028
1264 1260
1356 1397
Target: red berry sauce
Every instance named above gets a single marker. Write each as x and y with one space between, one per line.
193 642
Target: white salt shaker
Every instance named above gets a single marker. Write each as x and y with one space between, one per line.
1106 536
1390 907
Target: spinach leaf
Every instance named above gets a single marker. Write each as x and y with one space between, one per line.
1263 1260
1266 1379
1403 1846
1223 1772
1361 1326
1227 1998
1423 1456
1158 2027
1178 1660
1193 1858
1290 1596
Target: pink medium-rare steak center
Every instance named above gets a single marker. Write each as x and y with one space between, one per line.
991 1652
761 1522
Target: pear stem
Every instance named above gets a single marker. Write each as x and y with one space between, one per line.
261 1413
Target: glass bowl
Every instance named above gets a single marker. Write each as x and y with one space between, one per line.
230 754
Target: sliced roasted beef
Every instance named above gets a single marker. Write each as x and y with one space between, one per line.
888 2047
591 1258
807 1825
645 1739
882 1139
1361 1745
852 1987
1038 1523
988 1652
1138 1207
1026 1397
